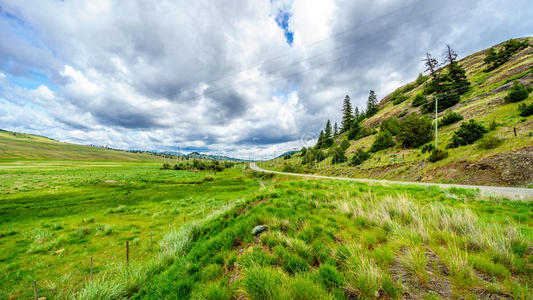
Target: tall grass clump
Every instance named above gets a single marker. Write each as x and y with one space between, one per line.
264 283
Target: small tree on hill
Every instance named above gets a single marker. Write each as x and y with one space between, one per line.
320 140
371 104
383 141
347 117
356 113
335 130
345 144
392 125
354 130
517 92
418 100
338 155
467 134
359 157
327 139
414 131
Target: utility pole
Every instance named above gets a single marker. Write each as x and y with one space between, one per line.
436 124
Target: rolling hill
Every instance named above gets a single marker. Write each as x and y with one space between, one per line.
509 162
20 146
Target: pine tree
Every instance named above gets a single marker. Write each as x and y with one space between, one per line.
456 74
356 113
335 130
320 140
347 117
372 104
434 85
327 139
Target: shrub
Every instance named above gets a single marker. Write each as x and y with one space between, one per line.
525 109
398 97
392 125
418 100
489 142
359 157
449 118
427 148
338 155
414 131
345 144
445 100
494 58
467 134
209 178
438 154
382 141
517 92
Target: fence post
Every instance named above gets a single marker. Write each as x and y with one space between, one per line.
35 290
514 128
127 252
91 268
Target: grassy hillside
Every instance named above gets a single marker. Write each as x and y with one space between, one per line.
19 146
508 163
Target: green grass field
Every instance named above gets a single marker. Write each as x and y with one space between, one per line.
325 239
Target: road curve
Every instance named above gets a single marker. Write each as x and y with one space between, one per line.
508 192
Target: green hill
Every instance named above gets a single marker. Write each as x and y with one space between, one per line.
20 146
502 158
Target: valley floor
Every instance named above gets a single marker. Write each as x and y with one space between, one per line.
325 239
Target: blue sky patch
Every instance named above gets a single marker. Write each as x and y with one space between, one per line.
282 19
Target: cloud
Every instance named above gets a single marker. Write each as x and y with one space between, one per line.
237 77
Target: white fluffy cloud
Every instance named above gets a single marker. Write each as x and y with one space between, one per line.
219 76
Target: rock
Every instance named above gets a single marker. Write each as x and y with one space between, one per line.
259 229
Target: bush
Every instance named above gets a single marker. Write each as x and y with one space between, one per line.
494 58
414 131
445 100
418 100
427 148
467 134
398 97
517 92
209 178
345 144
525 109
489 142
382 141
438 154
338 155
359 157
449 118
392 125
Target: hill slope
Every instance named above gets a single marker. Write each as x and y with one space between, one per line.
20 146
510 163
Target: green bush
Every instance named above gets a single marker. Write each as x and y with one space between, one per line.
525 109
427 148
449 118
345 144
438 154
398 97
383 141
414 131
494 58
467 134
445 100
209 178
392 125
418 100
489 142
517 92
338 155
359 157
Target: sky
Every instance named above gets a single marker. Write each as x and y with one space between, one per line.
239 78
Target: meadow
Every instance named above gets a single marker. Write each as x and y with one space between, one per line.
325 239
56 215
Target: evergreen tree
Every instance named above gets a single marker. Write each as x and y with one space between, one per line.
414 131
382 141
327 139
347 117
335 130
354 131
320 140
372 104
356 113
457 82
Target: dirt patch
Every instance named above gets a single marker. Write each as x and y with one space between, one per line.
110 181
